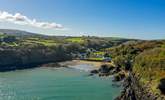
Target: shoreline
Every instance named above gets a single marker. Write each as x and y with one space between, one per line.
67 63
79 62
30 66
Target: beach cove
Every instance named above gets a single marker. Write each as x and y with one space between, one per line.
50 83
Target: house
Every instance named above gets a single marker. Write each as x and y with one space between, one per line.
107 59
83 56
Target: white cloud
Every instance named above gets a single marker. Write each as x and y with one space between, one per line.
20 19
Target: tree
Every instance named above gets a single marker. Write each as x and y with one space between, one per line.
9 39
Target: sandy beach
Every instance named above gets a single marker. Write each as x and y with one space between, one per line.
78 62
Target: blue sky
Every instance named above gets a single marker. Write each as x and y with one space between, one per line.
143 19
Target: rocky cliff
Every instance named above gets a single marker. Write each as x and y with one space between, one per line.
134 91
27 57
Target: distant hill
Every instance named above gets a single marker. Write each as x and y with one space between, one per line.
18 32
21 33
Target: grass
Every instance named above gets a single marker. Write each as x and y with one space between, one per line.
99 53
13 44
150 66
46 42
152 84
39 41
95 59
163 46
75 39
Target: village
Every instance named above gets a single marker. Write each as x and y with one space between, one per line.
93 55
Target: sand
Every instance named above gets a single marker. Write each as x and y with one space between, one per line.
77 62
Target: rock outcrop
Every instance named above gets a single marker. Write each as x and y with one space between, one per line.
104 70
119 76
134 91
162 85
28 57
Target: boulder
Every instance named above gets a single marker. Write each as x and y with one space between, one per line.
94 71
161 86
104 69
119 76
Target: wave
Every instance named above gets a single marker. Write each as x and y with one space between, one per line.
84 67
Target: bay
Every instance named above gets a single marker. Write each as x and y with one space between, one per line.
47 83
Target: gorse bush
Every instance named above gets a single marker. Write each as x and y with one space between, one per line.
150 67
145 58
151 62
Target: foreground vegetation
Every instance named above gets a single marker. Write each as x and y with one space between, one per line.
150 67
145 59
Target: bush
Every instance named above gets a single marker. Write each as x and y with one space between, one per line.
150 66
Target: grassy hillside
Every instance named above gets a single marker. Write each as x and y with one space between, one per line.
144 58
150 66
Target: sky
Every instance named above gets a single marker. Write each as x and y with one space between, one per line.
140 19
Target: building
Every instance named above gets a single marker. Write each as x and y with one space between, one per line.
107 59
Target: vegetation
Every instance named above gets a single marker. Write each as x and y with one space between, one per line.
75 40
20 49
144 58
95 59
150 66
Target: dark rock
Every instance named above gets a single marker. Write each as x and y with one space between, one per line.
90 74
162 86
134 91
119 77
94 71
118 69
57 65
104 69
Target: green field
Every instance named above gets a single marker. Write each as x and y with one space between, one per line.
75 39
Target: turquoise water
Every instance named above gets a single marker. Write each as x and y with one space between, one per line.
55 84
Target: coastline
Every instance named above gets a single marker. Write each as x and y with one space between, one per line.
95 65
132 89
78 62
67 63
